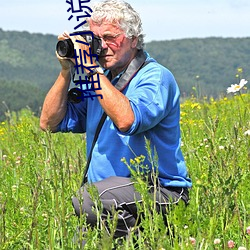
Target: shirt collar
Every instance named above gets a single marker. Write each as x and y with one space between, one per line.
115 80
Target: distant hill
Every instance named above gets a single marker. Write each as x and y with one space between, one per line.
28 68
28 65
28 57
209 64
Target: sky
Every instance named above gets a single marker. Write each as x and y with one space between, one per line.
162 19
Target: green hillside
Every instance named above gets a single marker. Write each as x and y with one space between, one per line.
28 57
28 66
210 63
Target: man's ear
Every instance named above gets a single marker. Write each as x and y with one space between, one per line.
134 42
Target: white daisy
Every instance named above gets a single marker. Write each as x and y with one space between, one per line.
237 87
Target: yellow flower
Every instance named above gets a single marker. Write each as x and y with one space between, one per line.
195 105
240 70
132 162
138 160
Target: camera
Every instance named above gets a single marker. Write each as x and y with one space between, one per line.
65 48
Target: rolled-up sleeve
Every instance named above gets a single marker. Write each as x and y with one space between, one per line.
75 118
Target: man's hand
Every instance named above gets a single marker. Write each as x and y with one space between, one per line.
67 63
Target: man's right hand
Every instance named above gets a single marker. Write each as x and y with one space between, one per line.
65 62
78 47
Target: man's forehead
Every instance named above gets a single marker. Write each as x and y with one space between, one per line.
105 26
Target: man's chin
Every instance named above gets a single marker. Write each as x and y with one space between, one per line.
105 64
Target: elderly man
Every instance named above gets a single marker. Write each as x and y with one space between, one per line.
141 100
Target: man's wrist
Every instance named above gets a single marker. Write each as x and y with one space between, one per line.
94 71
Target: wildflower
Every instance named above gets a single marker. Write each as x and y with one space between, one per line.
240 70
242 248
132 162
198 182
230 244
221 147
137 159
192 240
247 133
45 216
14 188
123 159
216 241
248 230
71 167
195 106
237 87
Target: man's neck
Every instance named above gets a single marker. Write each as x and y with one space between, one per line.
117 71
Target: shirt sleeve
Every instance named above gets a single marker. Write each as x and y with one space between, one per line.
75 118
153 97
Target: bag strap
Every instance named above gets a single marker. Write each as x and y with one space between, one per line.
136 64
97 132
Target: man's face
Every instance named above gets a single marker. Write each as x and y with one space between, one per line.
118 50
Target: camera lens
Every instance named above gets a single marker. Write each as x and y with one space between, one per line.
65 48
75 95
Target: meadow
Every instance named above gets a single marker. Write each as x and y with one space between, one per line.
40 172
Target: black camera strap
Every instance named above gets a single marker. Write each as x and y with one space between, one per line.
136 64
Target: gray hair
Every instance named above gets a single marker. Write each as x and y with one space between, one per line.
122 14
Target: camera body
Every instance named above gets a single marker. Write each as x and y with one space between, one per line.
65 48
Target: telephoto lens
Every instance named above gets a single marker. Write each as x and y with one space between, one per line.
65 48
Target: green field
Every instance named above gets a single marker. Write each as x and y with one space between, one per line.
40 172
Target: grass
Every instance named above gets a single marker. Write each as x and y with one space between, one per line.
40 172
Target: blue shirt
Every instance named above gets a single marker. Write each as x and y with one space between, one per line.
154 97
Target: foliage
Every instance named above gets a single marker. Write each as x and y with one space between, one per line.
28 57
19 94
28 68
40 172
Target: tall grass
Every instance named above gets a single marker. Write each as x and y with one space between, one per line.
40 172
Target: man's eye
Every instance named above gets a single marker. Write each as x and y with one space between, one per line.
108 38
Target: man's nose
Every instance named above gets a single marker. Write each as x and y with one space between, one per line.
104 44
